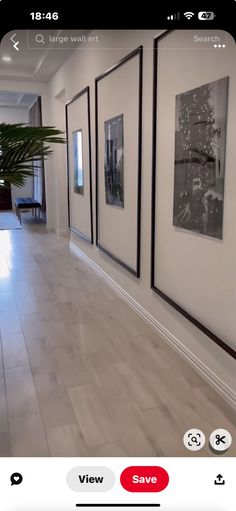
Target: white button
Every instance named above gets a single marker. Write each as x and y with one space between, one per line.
89 479
194 439
220 440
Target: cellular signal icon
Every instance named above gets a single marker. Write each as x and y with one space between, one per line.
175 16
188 15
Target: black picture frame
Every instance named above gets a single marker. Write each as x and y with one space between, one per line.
90 238
137 52
217 340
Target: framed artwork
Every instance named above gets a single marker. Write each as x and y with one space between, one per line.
79 171
191 244
200 136
114 161
78 162
118 124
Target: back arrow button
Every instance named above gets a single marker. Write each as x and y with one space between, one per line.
15 43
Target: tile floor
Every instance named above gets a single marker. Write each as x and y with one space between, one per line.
80 373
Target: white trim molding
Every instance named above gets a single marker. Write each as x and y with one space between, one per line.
217 383
62 232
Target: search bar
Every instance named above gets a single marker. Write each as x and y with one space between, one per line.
66 39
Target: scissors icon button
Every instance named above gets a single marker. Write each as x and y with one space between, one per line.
220 440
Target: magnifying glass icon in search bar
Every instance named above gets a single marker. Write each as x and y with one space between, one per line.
39 38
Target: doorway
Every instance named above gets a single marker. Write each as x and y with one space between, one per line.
5 197
24 108
39 191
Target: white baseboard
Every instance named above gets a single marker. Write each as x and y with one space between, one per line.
62 232
217 383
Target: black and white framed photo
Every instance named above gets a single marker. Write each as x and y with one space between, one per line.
118 117
79 170
114 161
192 197
200 136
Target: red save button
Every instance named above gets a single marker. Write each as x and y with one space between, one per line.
144 479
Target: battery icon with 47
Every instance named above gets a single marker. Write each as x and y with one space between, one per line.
206 15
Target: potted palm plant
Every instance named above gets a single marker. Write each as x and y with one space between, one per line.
21 146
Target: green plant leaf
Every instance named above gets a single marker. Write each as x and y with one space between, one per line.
21 146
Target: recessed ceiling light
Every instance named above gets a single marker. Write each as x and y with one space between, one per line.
6 58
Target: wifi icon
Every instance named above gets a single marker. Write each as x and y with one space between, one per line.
188 15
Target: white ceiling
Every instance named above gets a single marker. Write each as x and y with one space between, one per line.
16 99
36 65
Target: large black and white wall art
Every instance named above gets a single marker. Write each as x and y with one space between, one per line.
114 161
118 117
193 245
79 165
200 136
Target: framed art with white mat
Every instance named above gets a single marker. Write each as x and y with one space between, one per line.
194 155
118 111
79 165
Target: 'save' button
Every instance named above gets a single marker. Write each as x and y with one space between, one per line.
144 479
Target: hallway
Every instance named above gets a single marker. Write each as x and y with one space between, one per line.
80 373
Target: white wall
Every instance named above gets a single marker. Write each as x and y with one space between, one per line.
12 116
57 105
79 71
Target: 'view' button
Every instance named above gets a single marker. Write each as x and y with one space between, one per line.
90 479
144 479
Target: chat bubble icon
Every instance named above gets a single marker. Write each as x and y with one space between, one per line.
16 478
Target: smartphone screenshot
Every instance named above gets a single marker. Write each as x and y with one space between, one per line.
117 257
